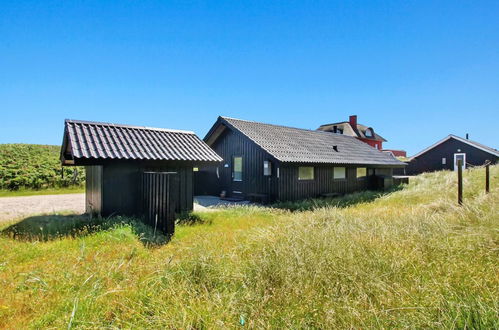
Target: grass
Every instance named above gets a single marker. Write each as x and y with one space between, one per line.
411 258
48 191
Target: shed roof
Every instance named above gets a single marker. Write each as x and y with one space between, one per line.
85 140
288 144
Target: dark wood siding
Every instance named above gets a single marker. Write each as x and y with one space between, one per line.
158 206
290 188
122 181
233 144
93 188
432 159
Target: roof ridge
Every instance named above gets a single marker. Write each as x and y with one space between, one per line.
76 121
339 122
474 142
283 126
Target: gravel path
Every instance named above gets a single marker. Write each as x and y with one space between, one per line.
18 207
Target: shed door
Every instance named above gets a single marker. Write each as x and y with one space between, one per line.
157 200
458 157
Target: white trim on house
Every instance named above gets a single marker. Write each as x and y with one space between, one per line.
455 160
450 136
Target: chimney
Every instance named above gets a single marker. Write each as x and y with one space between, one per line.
467 136
353 121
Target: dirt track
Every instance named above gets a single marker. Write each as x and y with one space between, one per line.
19 207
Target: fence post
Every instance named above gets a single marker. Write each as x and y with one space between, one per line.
460 182
487 177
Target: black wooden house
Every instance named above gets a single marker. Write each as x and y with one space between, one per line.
445 154
137 171
283 163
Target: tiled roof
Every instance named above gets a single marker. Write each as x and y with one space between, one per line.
92 140
359 131
296 145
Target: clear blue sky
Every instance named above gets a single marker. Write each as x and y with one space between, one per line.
414 70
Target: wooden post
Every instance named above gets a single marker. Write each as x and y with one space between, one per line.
460 182
487 178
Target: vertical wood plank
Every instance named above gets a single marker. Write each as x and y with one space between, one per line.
460 182
487 177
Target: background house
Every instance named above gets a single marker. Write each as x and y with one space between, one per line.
285 163
352 128
444 155
134 170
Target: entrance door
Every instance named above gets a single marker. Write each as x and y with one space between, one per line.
458 157
237 177
158 205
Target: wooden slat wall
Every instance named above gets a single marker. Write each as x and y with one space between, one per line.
232 144
158 200
122 182
93 189
290 188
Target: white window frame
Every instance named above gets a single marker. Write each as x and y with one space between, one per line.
455 160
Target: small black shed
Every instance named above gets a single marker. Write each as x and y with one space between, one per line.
273 162
136 171
445 154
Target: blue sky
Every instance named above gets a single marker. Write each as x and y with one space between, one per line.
414 70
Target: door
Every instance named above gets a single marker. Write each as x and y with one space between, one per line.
458 157
237 177
158 201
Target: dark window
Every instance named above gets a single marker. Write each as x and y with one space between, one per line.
267 168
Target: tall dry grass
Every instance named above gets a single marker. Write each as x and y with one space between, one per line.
410 259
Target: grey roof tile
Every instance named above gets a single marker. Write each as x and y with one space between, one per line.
288 144
93 140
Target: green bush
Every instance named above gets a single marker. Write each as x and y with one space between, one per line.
31 166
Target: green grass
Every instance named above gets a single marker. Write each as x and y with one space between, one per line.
48 191
411 258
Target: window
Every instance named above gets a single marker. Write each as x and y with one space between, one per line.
267 168
337 130
339 173
361 172
237 168
369 132
444 161
305 173
195 169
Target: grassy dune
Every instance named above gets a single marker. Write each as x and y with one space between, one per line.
32 169
411 258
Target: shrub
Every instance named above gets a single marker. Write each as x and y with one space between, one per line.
30 166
